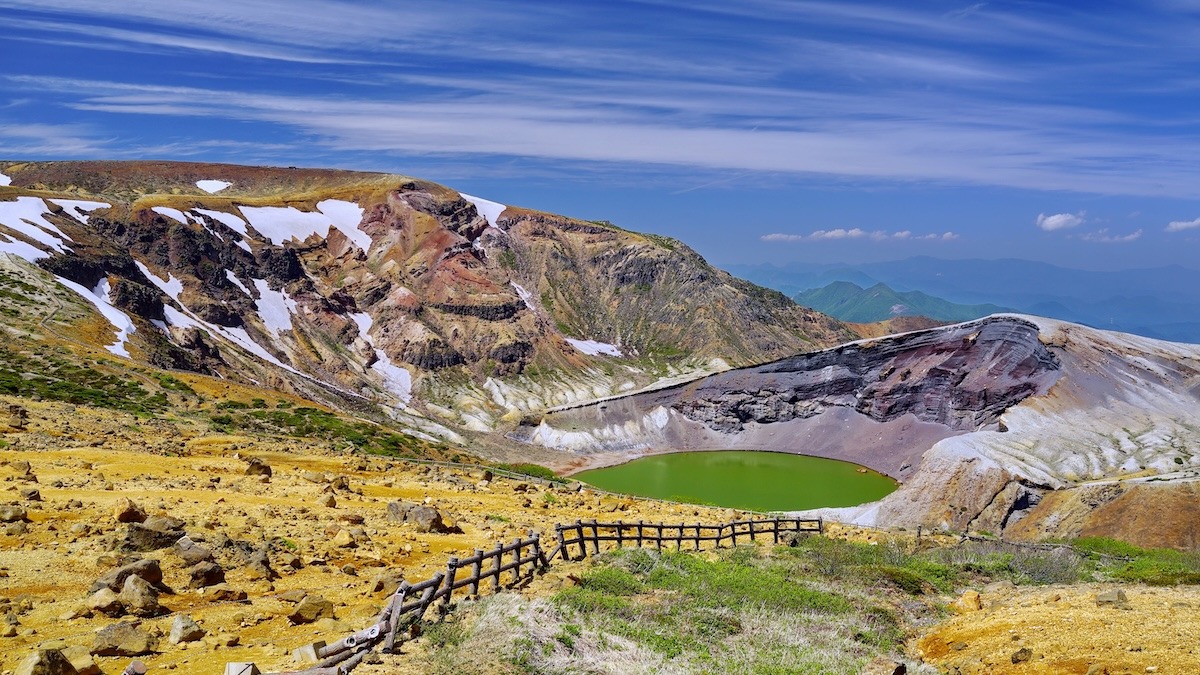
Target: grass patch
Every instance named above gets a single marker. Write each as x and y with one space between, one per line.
533 471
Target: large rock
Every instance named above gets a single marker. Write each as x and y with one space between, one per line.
257 467
82 660
140 598
204 574
184 629
427 519
45 662
139 537
123 639
147 569
311 608
191 552
12 513
106 602
397 512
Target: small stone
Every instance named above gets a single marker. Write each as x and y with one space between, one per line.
350 570
1112 598
311 608
343 539
184 629
82 660
223 593
126 511
1022 655
884 666
227 640
147 569
327 500
967 602
257 467
293 596
31 494
204 574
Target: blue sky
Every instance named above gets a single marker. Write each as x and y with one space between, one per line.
756 131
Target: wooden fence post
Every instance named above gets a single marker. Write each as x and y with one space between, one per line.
451 572
620 533
595 537
639 533
497 554
476 568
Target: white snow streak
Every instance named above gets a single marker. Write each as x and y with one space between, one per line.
212 187
5 181
275 307
525 295
593 348
26 215
101 298
488 209
395 378
227 219
173 214
77 208
237 282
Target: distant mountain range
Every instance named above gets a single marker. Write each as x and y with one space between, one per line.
848 301
1161 302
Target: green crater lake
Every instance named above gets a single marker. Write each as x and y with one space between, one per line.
759 481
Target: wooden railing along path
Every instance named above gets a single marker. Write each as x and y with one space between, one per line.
509 565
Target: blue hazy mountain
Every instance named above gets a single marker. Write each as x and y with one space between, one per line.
1161 302
848 301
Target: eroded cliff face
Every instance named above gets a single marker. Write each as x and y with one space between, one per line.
879 402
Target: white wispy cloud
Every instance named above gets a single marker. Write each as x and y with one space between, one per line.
1102 236
855 233
1181 225
1060 221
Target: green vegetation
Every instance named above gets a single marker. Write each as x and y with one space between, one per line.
821 605
307 422
508 259
532 470
57 378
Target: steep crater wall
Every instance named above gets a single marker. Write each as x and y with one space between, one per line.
880 403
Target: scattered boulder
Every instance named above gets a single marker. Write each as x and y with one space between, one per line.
343 539
12 513
18 417
191 552
257 467
147 569
139 537
884 666
427 519
310 609
387 583
123 639
1112 598
31 494
82 660
126 511
184 629
397 512
204 574
223 593
140 598
106 602
1022 655
46 662
161 523
327 500
967 602
258 565
313 476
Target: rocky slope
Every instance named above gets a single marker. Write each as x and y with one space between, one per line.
1013 425
376 290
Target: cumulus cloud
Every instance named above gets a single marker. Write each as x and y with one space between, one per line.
1103 237
856 233
1060 221
1181 225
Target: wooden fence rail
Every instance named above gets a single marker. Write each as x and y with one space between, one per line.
519 561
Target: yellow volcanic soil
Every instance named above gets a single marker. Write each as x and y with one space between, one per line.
172 467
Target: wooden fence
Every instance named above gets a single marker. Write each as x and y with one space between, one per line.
508 565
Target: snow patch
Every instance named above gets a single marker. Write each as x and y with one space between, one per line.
27 216
525 295
237 282
173 214
5 181
395 378
488 209
275 307
281 224
227 219
594 348
212 187
101 298
77 208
